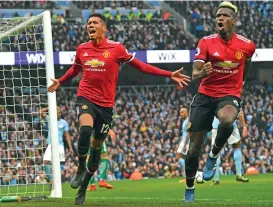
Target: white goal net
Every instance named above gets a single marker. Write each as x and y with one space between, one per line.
26 63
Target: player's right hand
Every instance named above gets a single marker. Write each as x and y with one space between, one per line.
54 86
207 69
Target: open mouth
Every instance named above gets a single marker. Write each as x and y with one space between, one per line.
92 31
220 25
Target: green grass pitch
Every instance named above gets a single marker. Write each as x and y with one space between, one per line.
168 193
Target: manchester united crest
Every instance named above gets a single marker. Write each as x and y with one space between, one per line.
239 55
106 54
84 107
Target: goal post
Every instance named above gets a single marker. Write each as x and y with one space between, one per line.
23 93
52 105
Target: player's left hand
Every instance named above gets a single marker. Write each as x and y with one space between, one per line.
245 131
180 79
112 135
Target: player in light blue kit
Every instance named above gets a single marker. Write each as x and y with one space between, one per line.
63 129
233 140
183 147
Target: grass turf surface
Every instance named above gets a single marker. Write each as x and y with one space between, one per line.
168 193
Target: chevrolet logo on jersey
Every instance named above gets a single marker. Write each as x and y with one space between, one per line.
94 63
227 65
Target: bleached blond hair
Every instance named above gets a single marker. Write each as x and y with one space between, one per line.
227 4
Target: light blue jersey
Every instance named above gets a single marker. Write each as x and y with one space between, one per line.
184 129
216 123
62 127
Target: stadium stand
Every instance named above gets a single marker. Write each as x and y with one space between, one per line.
131 26
157 34
258 26
41 4
109 4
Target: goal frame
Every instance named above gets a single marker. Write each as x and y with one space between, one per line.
52 103
45 19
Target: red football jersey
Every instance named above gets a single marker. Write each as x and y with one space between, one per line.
100 67
228 61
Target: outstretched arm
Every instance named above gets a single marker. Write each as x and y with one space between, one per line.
176 76
149 69
71 73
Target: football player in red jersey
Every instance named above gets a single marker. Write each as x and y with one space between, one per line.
99 60
221 63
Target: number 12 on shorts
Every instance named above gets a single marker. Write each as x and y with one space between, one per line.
104 129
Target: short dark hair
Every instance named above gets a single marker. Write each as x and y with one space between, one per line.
101 16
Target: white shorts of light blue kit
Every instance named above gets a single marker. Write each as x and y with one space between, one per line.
180 147
233 139
47 155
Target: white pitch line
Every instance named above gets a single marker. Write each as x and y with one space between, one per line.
169 199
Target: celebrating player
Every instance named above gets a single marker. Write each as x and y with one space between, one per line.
99 60
183 147
221 63
63 129
103 166
233 140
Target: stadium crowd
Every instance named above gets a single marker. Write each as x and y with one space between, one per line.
155 34
255 19
109 4
147 126
139 31
159 32
40 4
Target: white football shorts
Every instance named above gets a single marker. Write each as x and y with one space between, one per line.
180 148
47 155
234 137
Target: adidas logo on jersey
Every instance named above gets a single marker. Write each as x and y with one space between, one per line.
85 54
216 54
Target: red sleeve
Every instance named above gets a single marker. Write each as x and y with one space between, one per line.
252 49
123 54
73 71
201 51
149 69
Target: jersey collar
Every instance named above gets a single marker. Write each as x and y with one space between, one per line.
100 44
230 41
